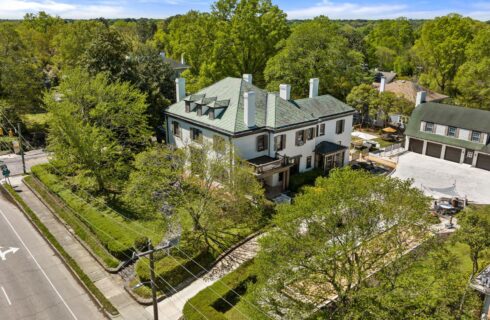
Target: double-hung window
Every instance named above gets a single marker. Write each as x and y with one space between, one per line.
310 133
451 131
218 144
196 135
300 137
262 142
340 126
322 129
475 136
429 127
175 129
280 142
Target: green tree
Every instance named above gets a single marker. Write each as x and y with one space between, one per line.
221 201
440 50
95 128
427 284
155 181
361 98
473 77
20 75
316 49
390 41
155 78
108 52
333 237
248 37
73 40
474 230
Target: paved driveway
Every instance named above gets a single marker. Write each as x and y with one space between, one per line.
441 178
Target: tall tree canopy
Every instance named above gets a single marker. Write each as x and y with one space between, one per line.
473 77
390 42
333 237
96 127
440 50
20 75
316 49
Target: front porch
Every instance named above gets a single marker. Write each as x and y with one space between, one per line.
329 155
273 173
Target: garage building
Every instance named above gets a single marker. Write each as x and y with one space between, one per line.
448 132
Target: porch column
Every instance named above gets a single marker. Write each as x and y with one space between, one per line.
463 153
424 147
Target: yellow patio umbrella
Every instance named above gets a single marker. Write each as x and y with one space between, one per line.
389 130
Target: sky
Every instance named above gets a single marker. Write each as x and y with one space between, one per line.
334 9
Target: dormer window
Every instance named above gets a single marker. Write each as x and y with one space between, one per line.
211 114
187 106
475 136
199 110
429 127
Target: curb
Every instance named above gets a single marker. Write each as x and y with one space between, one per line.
60 256
67 226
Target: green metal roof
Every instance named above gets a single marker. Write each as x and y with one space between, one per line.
271 110
460 117
322 106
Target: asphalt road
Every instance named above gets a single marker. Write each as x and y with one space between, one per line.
14 161
34 283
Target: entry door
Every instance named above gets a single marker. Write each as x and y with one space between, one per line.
468 157
295 161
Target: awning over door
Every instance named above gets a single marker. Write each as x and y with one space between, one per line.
326 148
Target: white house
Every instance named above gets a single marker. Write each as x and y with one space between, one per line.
275 134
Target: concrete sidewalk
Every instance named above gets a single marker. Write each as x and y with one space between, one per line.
110 285
171 308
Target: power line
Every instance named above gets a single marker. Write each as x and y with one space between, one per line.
118 222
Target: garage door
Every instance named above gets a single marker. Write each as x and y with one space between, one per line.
433 150
453 154
415 145
483 161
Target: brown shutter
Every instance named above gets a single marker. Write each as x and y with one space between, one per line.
257 143
296 138
317 130
304 136
266 141
283 142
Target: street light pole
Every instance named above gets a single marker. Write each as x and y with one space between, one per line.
21 148
152 278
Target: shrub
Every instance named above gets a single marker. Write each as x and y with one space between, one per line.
305 178
115 233
219 296
171 271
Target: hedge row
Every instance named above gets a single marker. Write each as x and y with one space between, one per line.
170 271
78 227
106 304
114 232
212 302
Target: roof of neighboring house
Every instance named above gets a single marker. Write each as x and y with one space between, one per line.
408 89
270 110
174 64
389 76
454 116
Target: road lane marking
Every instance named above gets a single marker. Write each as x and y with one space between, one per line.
39 266
6 296
3 254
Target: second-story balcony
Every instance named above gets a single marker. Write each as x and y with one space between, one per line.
266 164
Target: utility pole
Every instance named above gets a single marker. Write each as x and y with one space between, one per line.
21 148
152 278
150 253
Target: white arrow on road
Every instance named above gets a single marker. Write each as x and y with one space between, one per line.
4 253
